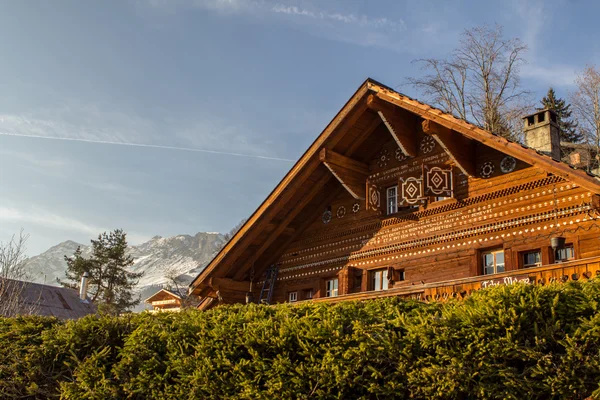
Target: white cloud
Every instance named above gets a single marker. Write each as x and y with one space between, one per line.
359 20
203 133
47 219
557 75
335 24
48 162
535 17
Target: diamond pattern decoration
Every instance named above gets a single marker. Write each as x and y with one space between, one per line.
438 181
411 191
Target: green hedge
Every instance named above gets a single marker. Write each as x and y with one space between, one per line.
510 342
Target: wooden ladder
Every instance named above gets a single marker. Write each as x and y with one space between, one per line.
266 293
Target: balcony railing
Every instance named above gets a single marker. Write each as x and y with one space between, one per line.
560 272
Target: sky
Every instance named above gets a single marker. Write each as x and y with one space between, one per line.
166 117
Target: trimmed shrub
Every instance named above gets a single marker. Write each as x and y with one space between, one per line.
507 342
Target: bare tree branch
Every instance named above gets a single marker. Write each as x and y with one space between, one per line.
14 275
586 105
480 81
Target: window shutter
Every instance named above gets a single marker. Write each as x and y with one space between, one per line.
373 197
410 191
438 181
390 275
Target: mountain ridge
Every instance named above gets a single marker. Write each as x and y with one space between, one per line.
161 259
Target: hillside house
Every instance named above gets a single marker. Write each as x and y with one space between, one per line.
30 298
165 300
397 198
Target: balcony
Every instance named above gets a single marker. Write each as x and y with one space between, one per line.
560 272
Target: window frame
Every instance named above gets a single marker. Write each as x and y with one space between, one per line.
523 254
293 294
568 246
494 252
401 274
308 294
332 291
382 282
391 208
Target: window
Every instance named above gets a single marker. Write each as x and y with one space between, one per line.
331 288
392 200
532 259
379 279
308 294
566 253
541 117
440 198
293 296
357 282
493 261
401 275
530 120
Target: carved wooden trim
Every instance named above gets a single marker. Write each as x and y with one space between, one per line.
394 120
440 210
460 149
449 237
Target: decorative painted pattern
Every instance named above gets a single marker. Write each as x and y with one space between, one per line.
465 243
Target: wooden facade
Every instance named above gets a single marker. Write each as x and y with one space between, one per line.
398 198
165 300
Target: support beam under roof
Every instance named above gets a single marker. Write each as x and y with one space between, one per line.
458 147
228 284
395 120
350 173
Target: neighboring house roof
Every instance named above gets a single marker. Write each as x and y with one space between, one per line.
161 294
256 236
52 301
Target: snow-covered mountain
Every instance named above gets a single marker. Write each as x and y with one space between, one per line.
183 256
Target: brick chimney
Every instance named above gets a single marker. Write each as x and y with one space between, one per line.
542 133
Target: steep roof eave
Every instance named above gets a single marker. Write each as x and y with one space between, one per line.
425 111
311 152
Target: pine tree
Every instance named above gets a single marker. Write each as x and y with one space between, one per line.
567 126
110 283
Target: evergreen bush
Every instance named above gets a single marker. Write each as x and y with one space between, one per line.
508 342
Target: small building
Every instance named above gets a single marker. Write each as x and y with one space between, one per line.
397 198
28 298
165 300
581 155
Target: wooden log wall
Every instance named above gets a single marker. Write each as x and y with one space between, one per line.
508 205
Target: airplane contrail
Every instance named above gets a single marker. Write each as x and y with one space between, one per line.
152 146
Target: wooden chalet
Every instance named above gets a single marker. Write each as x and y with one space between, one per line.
397 198
165 300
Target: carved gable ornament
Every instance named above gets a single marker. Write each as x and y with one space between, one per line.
438 181
373 197
411 191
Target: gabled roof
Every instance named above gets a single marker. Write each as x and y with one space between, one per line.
46 300
250 241
162 293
